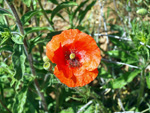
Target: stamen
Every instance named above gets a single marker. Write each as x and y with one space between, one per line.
72 56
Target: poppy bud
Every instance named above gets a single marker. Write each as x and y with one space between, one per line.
47 66
142 11
45 59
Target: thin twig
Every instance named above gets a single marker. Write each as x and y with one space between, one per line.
5 107
104 20
120 103
128 112
45 15
20 27
117 37
119 16
96 107
148 109
120 63
83 107
129 15
7 57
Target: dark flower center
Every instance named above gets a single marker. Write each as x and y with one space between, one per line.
72 58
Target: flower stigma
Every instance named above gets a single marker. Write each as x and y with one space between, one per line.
72 56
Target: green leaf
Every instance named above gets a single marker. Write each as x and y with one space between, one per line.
20 100
27 2
4 12
27 16
22 61
1 1
4 36
116 53
6 68
6 48
61 6
104 74
79 7
10 74
148 81
73 14
18 59
17 39
69 110
36 29
120 44
54 1
123 80
84 12
39 40
4 40
9 92
34 41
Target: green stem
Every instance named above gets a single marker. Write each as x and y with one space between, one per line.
37 24
58 91
29 56
45 15
141 90
148 109
5 107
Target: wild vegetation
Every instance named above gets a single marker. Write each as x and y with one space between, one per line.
121 29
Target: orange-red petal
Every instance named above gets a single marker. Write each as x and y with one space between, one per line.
66 37
85 48
89 51
75 80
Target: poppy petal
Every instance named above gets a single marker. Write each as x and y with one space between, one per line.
81 70
66 37
76 80
89 51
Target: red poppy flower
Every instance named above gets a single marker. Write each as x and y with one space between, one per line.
77 57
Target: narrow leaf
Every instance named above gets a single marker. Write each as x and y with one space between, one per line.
27 16
61 6
79 7
4 12
35 29
84 12
20 100
54 1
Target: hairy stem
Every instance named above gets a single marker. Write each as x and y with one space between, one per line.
29 56
45 15
5 107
